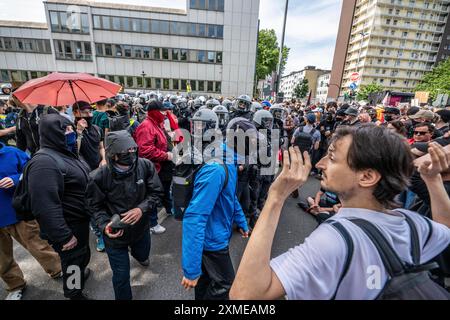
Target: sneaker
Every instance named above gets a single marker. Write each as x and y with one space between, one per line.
159 229
303 205
15 295
145 263
87 274
57 276
100 244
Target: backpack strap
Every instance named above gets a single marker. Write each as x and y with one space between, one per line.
350 248
57 158
393 264
226 177
415 243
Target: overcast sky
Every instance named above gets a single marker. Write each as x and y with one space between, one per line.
310 33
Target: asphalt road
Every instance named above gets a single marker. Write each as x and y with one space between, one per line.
161 280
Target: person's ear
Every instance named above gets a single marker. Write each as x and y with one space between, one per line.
369 178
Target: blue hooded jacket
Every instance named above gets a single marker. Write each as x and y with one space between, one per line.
12 162
208 221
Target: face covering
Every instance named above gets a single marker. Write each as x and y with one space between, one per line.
157 116
71 141
388 118
126 159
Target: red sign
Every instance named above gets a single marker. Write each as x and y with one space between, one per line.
354 76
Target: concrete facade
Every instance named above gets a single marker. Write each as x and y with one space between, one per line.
323 83
209 47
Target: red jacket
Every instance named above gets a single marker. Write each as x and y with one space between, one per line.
152 142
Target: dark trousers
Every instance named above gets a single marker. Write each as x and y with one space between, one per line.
217 276
167 199
153 217
266 182
77 257
119 260
255 187
243 195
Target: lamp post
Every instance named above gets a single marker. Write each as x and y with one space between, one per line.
143 81
280 60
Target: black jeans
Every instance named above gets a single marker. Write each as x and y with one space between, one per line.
119 260
217 276
75 260
266 182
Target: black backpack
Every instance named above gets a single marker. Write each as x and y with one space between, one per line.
183 187
304 141
21 201
407 281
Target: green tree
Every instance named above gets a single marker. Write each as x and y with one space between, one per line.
301 90
365 91
268 54
437 81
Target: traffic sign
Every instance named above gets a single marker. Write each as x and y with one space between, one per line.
353 86
355 76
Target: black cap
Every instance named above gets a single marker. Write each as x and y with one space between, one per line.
156 105
444 114
412 111
392 110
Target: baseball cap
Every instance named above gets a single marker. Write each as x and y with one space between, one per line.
423 114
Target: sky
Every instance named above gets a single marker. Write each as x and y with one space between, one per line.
311 28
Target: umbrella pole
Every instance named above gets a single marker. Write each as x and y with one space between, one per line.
73 92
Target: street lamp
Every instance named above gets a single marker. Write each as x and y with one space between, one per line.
143 81
280 58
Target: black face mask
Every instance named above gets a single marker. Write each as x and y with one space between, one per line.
126 159
388 118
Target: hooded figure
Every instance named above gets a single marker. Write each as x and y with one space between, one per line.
57 181
130 188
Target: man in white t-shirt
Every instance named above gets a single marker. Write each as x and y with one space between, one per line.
367 167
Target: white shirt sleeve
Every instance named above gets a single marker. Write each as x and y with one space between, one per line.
312 270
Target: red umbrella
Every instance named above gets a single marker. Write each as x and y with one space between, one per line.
60 89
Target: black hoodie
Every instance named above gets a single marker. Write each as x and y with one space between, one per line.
109 193
57 194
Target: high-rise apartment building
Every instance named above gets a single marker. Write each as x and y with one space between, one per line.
389 42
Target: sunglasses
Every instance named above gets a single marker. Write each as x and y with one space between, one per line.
420 133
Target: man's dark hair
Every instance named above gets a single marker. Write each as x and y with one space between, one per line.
400 127
81 105
102 102
445 115
425 124
377 148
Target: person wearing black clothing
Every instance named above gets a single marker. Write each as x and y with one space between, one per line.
57 182
129 187
90 137
27 129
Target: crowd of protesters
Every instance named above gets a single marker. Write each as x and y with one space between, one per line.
109 168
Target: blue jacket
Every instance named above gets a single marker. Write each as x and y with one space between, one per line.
12 162
208 221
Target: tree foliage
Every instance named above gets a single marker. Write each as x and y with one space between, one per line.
365 91
268 54
301 90
437 81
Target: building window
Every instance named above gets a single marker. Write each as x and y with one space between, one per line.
218 87
147 52
165 54
130 82
175 54
176 84
108 50
118 50
106 22
211 5
116 23
166 84
158 83
183 55
211 57
201 56
210 86
70 22
137 52
156 53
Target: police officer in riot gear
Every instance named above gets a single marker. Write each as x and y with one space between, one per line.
242 108
224 117
212 103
